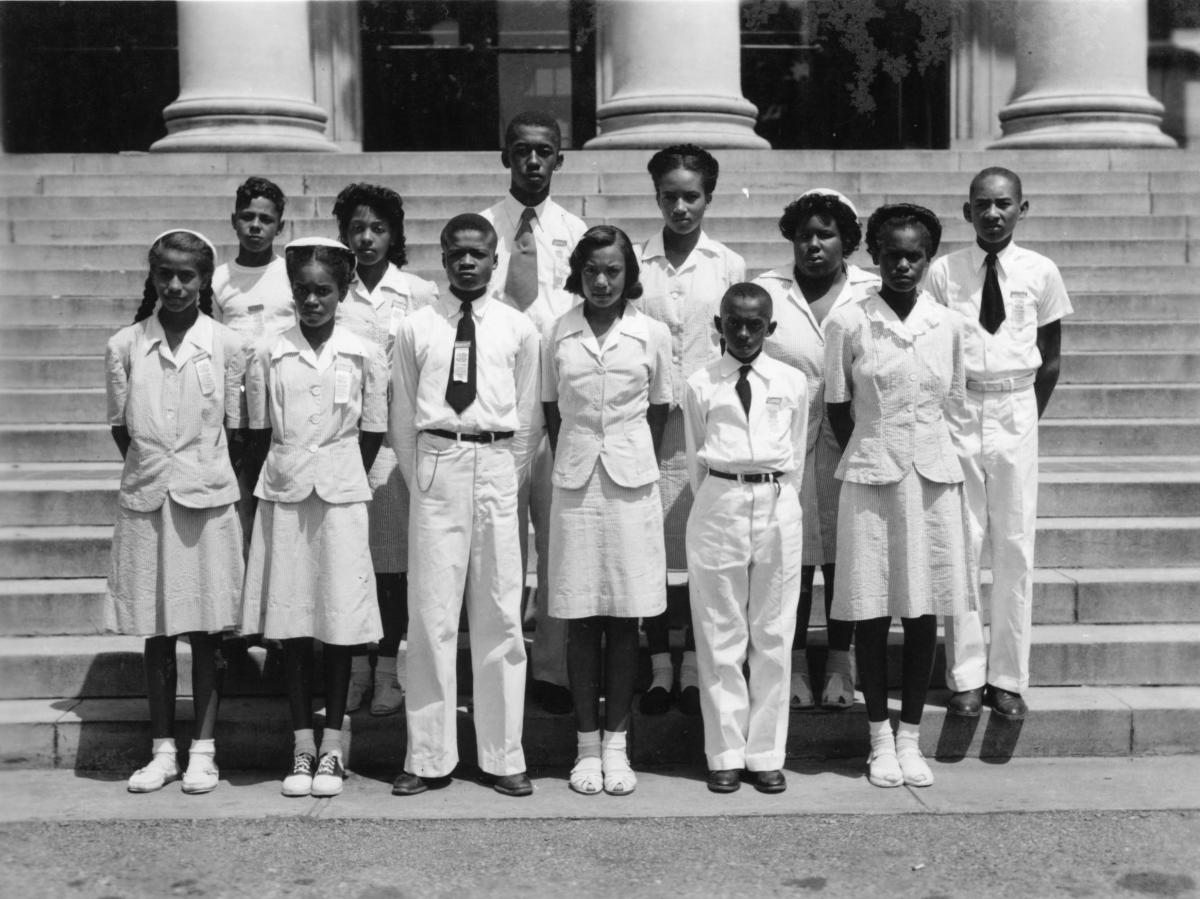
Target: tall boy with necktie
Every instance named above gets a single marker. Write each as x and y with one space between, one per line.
1014 300
464 403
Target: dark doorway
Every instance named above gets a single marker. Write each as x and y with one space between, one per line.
86 77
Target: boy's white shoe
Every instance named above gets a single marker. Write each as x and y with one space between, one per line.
163 769
201 775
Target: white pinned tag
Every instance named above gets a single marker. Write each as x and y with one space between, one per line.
341 383
204 374
462 360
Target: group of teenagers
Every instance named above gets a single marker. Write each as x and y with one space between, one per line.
323 447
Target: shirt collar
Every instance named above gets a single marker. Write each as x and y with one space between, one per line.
198 338
292 342
452 305
631 324
392 281
979 254
515 208
920 320
728 365
654 246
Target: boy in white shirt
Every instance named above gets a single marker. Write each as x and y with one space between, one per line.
535 240
1014 300
746 420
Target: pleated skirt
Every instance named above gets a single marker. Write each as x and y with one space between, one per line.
675 490
903 551
388 514
309 573
174 570
606 550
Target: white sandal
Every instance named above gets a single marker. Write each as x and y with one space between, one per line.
619 779
587 777
883 769
802 694
913 766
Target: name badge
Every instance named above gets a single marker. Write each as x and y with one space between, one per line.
397 318
462 360
559 242
204 374
774 405
1020 307
341 383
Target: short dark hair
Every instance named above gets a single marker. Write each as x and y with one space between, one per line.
999 172
806 206
339 262
254 187
385 203
467 221
685 156
595 239
532 118
900 215
748 289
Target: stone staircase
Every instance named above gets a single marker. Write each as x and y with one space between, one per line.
1116 654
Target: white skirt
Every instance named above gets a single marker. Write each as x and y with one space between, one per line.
606 550
904 551
310 574
174 570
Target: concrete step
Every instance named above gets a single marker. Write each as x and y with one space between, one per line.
254 733
1105 366
1129 336
56 443
77 405
722 226
1131 436
59 495
1165 400
1119 486
64 606
52 371
1110 307
106 667
69 551
424 251
1075 542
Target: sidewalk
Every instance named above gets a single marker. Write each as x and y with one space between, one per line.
969 786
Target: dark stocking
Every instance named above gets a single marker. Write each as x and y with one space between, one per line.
208 677
872 665
920 643
620 668
159 662
392 590
298 674
336 663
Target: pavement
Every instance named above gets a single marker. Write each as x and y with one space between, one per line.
968 786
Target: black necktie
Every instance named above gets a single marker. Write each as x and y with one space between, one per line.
743 389
991 307
460 392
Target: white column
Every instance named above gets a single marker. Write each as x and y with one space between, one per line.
1081 77
669 71
245 79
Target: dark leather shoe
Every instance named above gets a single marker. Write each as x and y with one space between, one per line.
966 703
725 780
1005 704
508 784
689 701
768 781
655 701
412 784
553 699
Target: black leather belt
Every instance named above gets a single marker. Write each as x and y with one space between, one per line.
763 478
478 437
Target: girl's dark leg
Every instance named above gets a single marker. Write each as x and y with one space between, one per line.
159 662
804 609
841 633
392 592
658 633
620 667
208 677
872 665
298 675
583 670
920 643
335 661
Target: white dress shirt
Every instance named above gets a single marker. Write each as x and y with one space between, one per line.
376 314
555 231
719 435
254 300
1034 296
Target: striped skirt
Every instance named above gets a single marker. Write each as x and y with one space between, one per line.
819 492
388 514
903 551
676 491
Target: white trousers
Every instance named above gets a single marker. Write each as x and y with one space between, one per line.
997 439
550 634
463 533
744 543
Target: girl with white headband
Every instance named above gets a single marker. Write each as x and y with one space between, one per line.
174 387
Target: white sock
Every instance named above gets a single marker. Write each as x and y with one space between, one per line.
203 747
163 746
662 671
588 743
882 739
305 741
614 741
331 741
689 672
908 736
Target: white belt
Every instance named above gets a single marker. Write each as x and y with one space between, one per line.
1001 385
